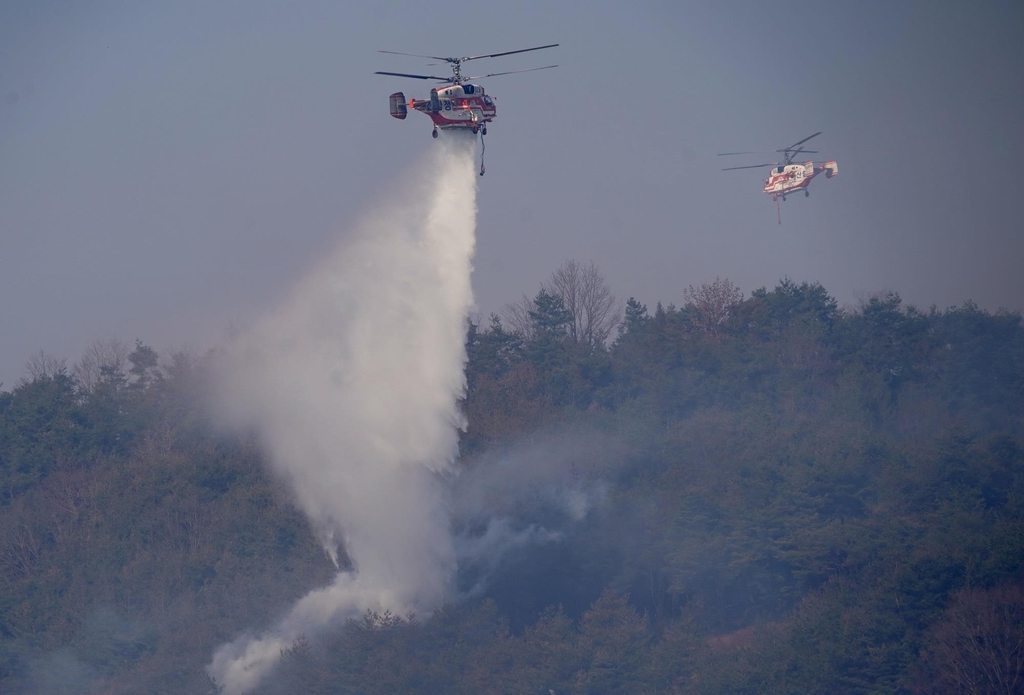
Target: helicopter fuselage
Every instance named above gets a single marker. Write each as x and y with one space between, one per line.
790 178
458 106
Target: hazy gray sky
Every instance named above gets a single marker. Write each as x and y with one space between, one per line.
170 169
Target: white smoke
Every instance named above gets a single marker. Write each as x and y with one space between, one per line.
562 471
353 386
524 494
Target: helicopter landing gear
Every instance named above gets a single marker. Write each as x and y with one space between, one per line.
475 130
434 133
807 194
483 131
783 199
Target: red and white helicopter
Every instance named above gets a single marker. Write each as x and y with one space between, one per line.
787 178
461 105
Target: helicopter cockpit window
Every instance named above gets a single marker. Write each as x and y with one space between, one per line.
487 100
467 88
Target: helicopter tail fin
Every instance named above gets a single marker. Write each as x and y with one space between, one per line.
398 107
831 168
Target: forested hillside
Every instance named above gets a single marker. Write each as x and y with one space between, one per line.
782 497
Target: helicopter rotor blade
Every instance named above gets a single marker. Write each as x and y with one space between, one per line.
727 154
790 156
509 72
508 53
797 144
415 77
417 55
751 166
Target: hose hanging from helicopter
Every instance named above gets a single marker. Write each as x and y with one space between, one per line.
483 148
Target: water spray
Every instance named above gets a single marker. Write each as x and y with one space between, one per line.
353 385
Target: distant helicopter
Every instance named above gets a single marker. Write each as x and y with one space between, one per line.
786 177
460 106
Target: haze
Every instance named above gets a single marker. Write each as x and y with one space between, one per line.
167 171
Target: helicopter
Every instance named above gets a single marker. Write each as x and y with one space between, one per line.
786 178
461 105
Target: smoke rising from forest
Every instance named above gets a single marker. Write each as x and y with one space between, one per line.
526 494
352 385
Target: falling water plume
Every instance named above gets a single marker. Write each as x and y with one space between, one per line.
353 386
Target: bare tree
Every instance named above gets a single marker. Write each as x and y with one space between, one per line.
566 282
589 299
42 365
516 315
712 304
110 353
584 293
21 540
977 646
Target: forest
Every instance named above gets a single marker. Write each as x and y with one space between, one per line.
775 495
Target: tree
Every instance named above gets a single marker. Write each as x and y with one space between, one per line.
613 643
549 321
887 340
144 361
110 354
546 654
798 318
977 647
492 351
590 301
712 304
635 319
38 420
551 352
790 302
517 315
549 317
42 365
